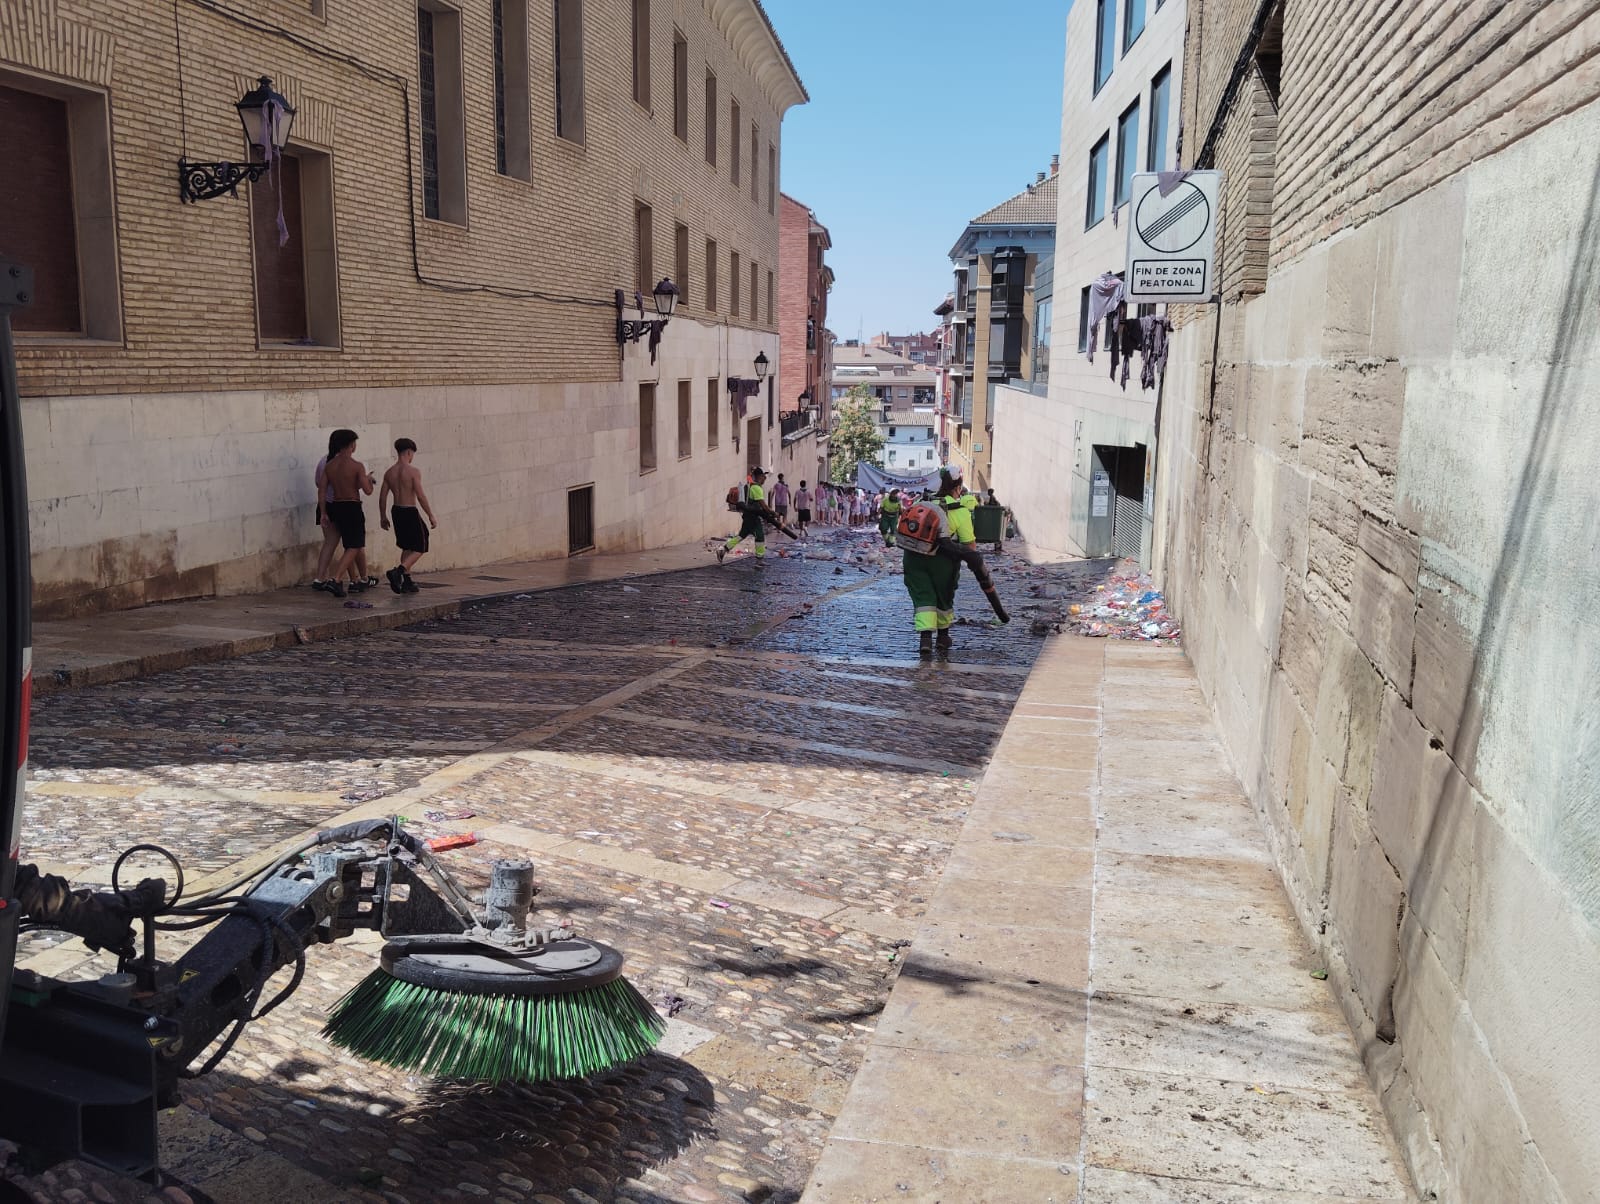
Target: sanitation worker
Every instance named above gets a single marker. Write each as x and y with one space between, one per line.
753 505
930 574
889 516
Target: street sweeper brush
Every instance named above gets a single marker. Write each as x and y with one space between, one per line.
463 1008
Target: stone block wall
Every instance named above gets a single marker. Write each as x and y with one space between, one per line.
1376 503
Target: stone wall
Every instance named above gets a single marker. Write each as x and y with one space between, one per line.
1377 524
175 459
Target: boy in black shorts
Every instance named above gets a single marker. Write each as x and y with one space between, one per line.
347 480
404 480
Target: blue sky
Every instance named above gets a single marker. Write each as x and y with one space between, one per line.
923 114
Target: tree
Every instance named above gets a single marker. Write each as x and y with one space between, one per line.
855 437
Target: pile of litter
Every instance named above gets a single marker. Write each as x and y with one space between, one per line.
1125 606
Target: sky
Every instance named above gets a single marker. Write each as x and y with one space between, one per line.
923 114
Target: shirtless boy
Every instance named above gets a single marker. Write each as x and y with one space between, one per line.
348 479
404 480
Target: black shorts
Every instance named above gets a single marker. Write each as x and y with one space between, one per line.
351 522
805 515
410 532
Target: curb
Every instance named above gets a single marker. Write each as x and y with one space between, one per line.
52 681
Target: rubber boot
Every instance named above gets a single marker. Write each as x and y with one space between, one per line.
944 641
925 643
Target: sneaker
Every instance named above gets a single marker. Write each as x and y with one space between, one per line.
410 586
396 578
721 552
356 587
319 585
336 588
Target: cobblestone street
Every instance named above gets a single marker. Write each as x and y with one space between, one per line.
743 778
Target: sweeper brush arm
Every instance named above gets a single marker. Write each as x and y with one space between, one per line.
85 1065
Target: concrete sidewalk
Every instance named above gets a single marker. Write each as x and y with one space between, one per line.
117 645
1109 998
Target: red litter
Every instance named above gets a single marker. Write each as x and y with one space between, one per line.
458 840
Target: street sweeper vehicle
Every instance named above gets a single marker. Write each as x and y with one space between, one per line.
465 988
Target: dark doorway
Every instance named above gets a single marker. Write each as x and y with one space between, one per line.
580 520
752 443
1116 501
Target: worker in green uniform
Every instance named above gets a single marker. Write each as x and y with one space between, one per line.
960 503
889 516
931 576
753 505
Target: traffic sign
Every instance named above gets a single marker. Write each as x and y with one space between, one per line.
1172 236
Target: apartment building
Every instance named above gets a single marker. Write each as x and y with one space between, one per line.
1376 501
435 254
894 382
1075 449
993 316
918 348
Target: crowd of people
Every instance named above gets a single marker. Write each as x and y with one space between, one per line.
933 528
342 481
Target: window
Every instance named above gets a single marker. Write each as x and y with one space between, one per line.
641 52
755 162
680 86
733 285
771 296
1155 155
772 179
685 421
997 344
891 450
297 294
734 126
61 224
1132 22
444 146
569 69
711 275
513 155
680 264
711 119
1095 210
999 294
647 428
1127 154
643 249
1105 42
755 303
1083 319
1269 55
891 432
712 411
1043 312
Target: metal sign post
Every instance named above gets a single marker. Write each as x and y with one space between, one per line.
1172 236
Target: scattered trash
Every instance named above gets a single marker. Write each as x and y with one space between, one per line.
1319 975
720 903
301 634
363 794
628 589
522 597
226 749
440 817
1019 837
671 1005
457 840
354 605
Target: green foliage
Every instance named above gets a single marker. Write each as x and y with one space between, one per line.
855 437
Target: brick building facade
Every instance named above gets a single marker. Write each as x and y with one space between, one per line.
467 185
804 282
1375 515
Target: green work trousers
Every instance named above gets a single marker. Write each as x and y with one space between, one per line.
931 582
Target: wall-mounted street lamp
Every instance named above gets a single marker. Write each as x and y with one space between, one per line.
631 330
761 365
266 117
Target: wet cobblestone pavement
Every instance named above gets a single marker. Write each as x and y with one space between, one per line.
757 828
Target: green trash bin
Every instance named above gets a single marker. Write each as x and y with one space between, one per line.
988 524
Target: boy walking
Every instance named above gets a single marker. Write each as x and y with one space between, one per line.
347 479
404 480
802 508
780 498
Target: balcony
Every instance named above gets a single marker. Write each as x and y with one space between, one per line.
795 424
